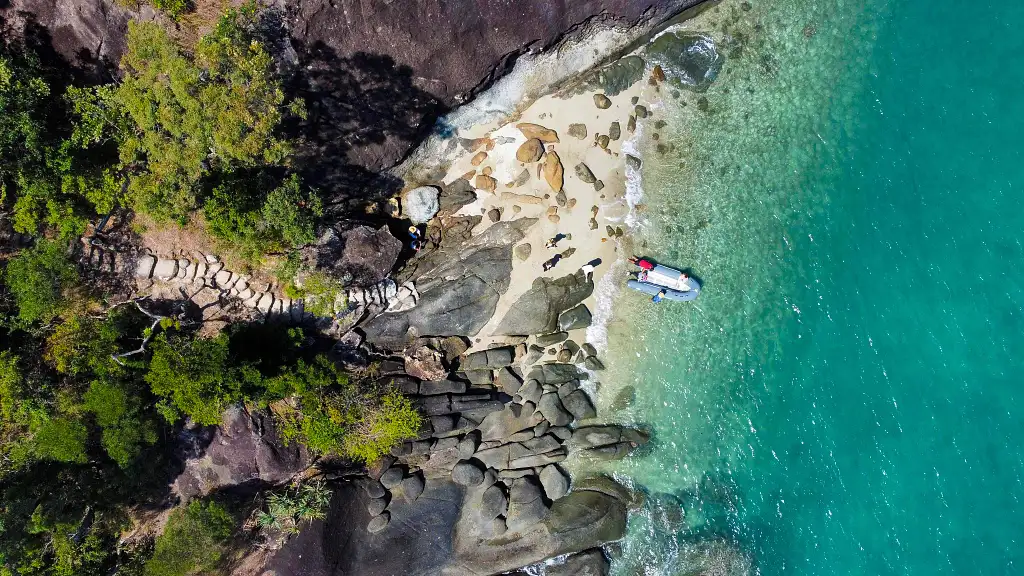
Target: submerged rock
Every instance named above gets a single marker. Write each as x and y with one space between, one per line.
617 76
587 563
691 59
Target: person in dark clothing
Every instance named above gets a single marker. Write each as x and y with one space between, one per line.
552 262
416 241
553 243
658 297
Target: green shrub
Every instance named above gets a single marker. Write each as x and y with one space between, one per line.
287 510
337 416
38 278
193 541
173 8
321 292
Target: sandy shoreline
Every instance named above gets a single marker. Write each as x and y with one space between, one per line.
535 198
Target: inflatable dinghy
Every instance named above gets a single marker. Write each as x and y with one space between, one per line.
669 278
670 294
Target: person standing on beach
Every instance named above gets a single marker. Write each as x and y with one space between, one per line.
552 262
659 296
553 243
588 272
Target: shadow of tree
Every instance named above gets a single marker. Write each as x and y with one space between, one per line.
365 113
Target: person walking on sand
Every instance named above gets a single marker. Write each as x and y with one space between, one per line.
552 262
659 296
553 243
642 263
588 272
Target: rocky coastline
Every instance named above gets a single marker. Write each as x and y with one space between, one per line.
490 342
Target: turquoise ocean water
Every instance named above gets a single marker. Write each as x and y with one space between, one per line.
847 395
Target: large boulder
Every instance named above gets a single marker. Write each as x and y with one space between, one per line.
577 317
245 451
421 203
368 255
459 288
587 563
537 310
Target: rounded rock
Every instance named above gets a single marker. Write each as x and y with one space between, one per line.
379 523
376 506
391 478
466 473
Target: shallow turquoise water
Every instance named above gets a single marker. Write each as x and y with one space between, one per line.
847 395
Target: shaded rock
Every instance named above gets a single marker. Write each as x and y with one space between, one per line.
165 269
459 288
640 111
525 504
579 405
533 355
554 481
578 131
561 199
584 173
507 381
554 373
466 473
421 203
617 76
411 487
374 489
528 152
490 358
493 503
144 266
531 391
631 124
403 383
691 59
496 457
633 162
576 317
592 363
553 173
368 255
537 131
455 195
589 349
603 141
614 131
503 423
596 436
479 377
563 355
247 449
468 445
521 179
392 477
602 101
536 311
523 251
426 364
484 182
376 506
494 214
379 523
431 387
551 408
587 563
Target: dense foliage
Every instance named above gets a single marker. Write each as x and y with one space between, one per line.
94 388
286 510
193 541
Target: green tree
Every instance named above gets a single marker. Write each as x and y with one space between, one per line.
194 376
120 414
178 117
258 222
38 278
62 439
193 542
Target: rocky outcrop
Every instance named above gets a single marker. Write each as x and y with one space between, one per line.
245 451
368 255
537 310
459 288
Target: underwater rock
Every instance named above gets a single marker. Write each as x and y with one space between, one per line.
691 59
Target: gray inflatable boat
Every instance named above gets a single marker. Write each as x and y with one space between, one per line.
670 294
